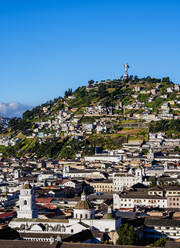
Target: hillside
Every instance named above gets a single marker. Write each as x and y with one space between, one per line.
103 114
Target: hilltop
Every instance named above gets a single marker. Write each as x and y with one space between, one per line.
102 114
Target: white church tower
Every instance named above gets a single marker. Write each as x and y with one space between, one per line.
16 174
27 204
66 171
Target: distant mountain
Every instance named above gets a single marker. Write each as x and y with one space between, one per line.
3 123
13 109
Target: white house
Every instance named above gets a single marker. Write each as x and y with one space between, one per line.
131 200
127 180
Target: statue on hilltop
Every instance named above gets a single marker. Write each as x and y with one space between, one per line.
126 67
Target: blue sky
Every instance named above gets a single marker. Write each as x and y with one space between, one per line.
47 46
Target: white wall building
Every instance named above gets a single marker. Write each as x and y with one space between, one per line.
122 181
130 201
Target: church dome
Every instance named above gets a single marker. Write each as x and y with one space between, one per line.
84 209
27 186
83 204
108 216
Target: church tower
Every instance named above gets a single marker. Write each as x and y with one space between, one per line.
150 155
27 204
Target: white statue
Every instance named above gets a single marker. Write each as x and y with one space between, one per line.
126 67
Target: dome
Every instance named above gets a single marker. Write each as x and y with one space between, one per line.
27 186
108 216
83 205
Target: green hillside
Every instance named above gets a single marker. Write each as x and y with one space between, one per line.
105 114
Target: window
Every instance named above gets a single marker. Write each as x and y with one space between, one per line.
71 230
25 202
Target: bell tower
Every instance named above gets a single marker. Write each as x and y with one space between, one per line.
27 204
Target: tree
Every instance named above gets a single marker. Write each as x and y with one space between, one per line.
102 91
68 92
166 79
148 79
136 79
177 149
27 115
160 242
126 234
81 92
90 83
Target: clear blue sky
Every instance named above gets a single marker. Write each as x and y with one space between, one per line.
47 46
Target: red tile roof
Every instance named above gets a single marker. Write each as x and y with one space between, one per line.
8 214
44 200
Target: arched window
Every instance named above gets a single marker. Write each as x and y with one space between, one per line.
80 216
86 216
25 202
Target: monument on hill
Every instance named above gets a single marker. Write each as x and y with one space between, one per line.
126 67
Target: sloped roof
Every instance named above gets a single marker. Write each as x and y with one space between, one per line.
170 244
44 200
108 216
27 244
83 204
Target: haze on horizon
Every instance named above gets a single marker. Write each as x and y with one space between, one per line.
49 46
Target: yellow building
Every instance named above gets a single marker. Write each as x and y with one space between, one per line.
102 186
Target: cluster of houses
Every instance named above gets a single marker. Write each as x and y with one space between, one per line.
68 120
168 109
8 141
87 199
52 200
